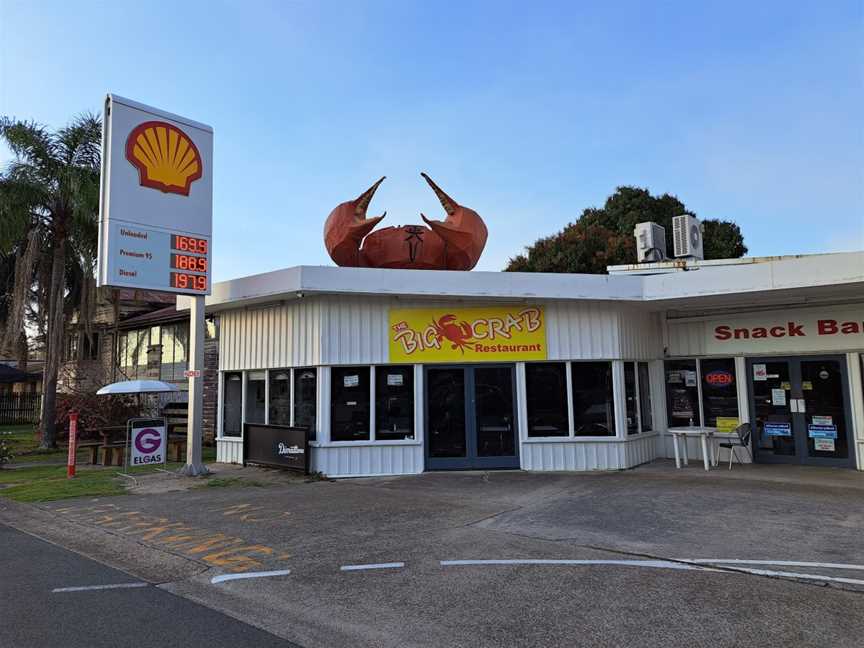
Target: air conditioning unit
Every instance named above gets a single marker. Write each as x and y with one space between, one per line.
650 242
687 237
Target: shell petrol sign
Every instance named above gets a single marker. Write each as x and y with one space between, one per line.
156 202
483 334
166 157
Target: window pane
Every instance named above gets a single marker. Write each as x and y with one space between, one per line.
305 399
141 356
645 397
630 397
593 405
232 404
394 402
280 397
255 391
546 387
166 370
682 393
181 345
349 404
719 391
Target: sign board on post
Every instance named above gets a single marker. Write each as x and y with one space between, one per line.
147 439
156 221
278 446
156 202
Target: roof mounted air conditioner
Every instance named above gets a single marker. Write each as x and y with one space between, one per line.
687 237
650 242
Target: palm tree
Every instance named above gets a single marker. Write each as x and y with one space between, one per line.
49 206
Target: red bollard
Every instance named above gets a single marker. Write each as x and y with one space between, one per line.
73 444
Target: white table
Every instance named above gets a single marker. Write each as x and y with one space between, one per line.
704 433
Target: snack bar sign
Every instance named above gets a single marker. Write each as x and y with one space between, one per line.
156 202
493 334
829 329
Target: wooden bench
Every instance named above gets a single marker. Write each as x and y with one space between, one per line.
92 448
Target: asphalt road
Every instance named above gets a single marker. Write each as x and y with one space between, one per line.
32 615
606 525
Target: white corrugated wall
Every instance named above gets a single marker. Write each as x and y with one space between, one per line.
342 330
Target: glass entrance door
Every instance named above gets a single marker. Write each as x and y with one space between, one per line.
470 418
800 410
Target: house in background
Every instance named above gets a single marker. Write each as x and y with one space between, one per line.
139 335
16 381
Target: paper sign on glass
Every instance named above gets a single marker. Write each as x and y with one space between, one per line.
760 372
778 397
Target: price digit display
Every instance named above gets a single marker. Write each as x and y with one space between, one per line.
188 244
185 281
189 262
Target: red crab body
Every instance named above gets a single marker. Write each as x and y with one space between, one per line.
455 243
459 334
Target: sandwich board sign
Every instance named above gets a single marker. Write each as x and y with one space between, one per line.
156 200
147 439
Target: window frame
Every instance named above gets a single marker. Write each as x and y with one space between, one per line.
700 395
617 377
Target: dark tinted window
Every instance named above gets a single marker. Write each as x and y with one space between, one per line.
593 405
719 390
645 397
232 404
682 393
280 397
255 400
394 402
546 388
305 398
349 404
630 397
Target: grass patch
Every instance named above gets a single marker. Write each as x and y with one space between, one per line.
48 483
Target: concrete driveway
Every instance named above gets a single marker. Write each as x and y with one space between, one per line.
365 556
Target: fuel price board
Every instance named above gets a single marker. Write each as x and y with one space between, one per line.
158 260
156 203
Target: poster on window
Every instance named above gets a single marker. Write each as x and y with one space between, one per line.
778 397
351 381
823 445
760 372
822 431
778 429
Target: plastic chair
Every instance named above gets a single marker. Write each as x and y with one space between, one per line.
743 441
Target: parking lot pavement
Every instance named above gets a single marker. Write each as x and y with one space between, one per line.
630 532
53 597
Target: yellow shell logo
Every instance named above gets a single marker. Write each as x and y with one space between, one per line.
166 157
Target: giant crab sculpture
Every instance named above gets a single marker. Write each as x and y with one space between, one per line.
455 243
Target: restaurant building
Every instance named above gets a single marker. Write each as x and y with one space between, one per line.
402 371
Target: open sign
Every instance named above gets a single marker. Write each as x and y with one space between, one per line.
720 378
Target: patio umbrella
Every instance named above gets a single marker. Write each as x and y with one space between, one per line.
137 387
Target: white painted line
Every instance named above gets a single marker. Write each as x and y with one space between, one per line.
663 564
390 565
244 575
779 563
771 572
87 588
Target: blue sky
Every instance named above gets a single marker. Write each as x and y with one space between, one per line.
526 112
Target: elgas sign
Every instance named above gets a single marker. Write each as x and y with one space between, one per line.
776 331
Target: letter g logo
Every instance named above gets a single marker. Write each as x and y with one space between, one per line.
148 440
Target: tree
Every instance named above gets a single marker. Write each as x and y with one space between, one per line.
49 205
602 237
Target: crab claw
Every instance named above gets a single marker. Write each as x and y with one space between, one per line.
347 225
463 231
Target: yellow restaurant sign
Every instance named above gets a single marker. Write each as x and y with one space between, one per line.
488 334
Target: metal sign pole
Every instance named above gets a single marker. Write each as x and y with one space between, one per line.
194 426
